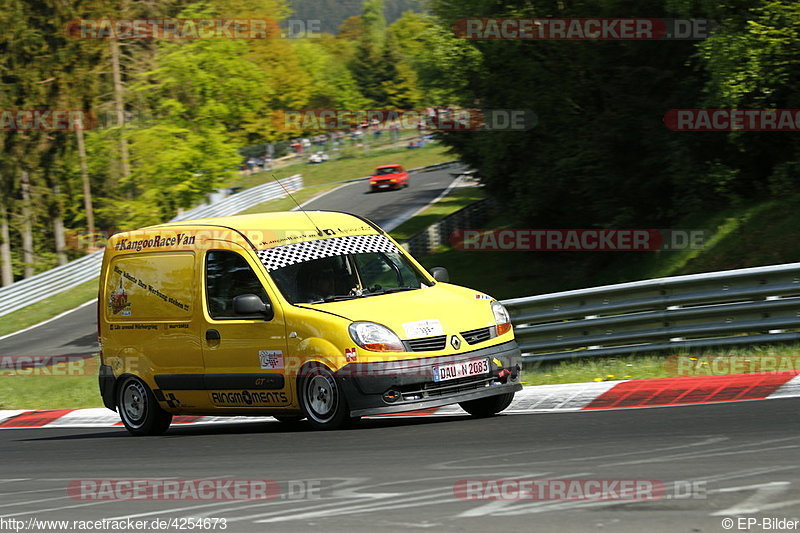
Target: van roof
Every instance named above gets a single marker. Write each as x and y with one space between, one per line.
286 220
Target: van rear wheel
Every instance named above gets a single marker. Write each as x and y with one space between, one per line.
322 400
139 410
490 406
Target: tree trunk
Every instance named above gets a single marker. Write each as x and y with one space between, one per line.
119 106
87 186
27 226
58 228
6 271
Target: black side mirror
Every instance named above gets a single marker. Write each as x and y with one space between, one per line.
440 274
250 304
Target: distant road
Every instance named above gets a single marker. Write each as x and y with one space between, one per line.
387 208
76 332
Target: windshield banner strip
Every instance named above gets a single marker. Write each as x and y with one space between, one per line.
290 254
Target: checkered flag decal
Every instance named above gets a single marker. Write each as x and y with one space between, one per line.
289 254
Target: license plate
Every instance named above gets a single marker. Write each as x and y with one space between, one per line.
474 367
382 185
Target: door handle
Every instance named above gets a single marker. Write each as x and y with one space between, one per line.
212 335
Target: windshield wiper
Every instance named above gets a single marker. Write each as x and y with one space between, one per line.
363 294
339 297
390 290
334 298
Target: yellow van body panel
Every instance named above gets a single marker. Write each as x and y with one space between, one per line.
155 323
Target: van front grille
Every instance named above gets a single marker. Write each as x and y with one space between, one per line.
426 344
475 336
445 388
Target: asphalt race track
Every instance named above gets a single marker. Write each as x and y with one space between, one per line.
386 207
735 460
392 474
76 333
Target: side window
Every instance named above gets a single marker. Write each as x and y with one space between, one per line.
227 276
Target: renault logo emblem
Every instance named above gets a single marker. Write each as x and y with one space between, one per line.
455 343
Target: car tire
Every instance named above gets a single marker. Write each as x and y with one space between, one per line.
485 407
139 410
321 399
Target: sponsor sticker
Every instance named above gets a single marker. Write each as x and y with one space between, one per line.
350 354
248 398
423 328
270 359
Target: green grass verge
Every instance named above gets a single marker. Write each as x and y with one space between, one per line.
286 204
68 392
754 235
457 199
48 308
648 366
30 389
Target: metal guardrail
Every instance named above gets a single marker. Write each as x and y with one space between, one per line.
246 199
439 233
57 280
717 309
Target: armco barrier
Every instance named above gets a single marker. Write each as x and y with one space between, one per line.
438 233
36 288
730 308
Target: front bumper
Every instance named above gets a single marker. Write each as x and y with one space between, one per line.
364 384
384 183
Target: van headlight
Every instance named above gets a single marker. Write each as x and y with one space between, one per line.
375 337
501 318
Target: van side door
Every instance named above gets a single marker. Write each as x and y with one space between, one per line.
244 354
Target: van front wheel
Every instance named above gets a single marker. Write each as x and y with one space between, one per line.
322 400
490 406
139 410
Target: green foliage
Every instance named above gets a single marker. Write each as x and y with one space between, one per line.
599 155
177 166
332 13
333 86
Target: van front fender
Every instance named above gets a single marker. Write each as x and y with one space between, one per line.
315 350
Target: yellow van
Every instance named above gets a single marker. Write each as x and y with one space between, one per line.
318 315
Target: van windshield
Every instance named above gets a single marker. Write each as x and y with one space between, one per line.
344 277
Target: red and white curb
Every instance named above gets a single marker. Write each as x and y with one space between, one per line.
637 393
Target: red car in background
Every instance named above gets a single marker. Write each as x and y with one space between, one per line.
388 177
